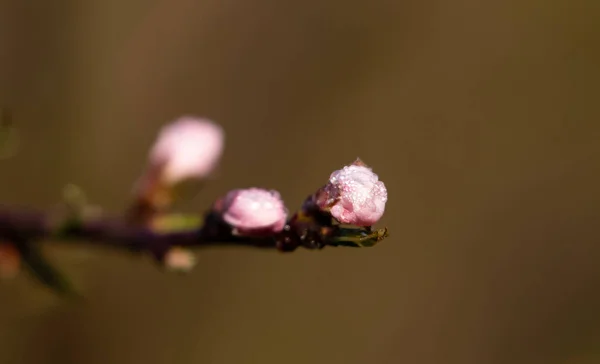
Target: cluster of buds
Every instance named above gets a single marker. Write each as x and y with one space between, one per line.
186 152
189 149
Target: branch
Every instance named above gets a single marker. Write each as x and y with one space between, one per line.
118 233
340 213
110 232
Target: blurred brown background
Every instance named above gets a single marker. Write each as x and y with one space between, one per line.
482 117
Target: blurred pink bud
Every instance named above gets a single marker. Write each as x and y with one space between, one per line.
179 259
187 148
354 195
254 211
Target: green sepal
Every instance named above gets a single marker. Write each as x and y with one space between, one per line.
358 237
174 223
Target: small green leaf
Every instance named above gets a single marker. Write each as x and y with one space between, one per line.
172 223
358 237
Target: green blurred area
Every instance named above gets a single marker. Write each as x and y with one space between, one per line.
482 117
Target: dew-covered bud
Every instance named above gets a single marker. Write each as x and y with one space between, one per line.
354 195
254 211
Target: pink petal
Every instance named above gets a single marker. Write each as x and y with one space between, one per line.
354 195
189 147
254 209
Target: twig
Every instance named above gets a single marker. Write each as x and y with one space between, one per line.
116 232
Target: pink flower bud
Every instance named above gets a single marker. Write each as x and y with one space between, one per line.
354 195
188 148
254 211
179 259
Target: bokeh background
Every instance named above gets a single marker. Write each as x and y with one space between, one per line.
482 117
